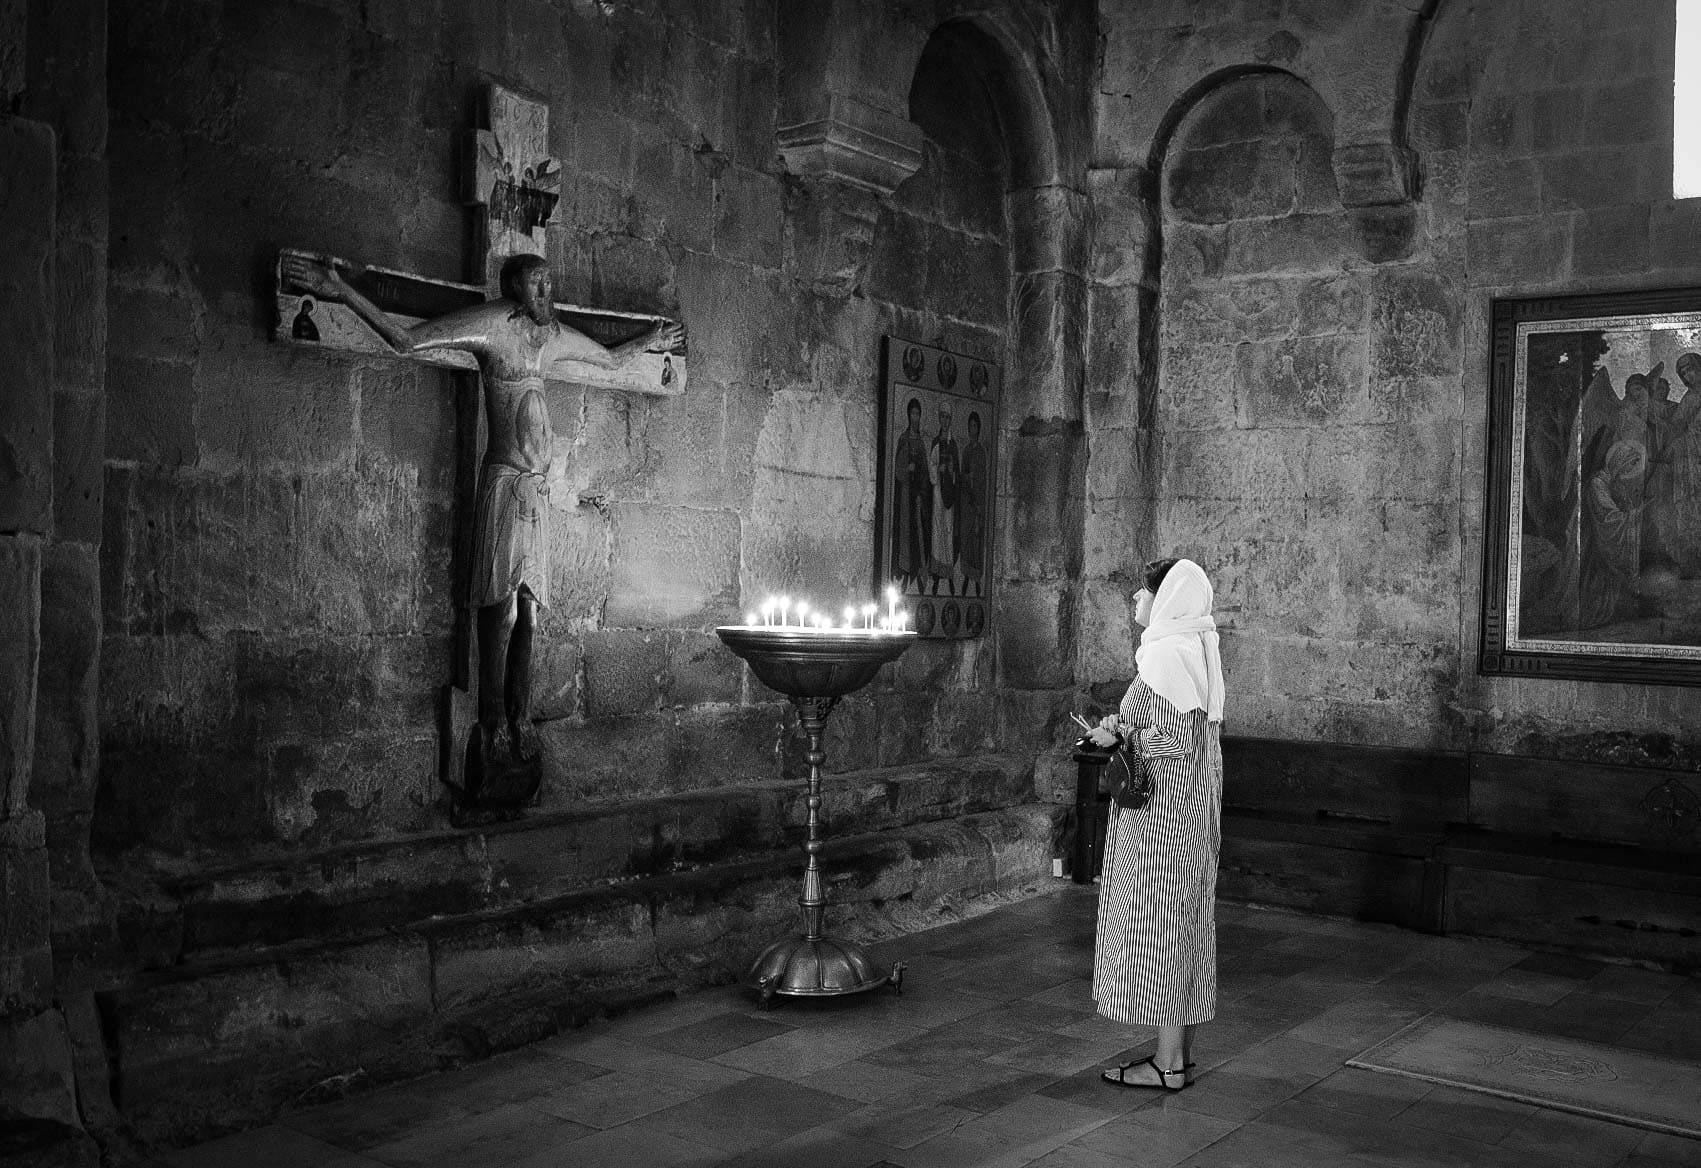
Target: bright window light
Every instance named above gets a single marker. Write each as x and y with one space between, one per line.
1686 103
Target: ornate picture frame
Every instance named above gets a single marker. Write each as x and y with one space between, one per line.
1592 530
937 491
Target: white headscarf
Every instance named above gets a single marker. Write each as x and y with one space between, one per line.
1179 656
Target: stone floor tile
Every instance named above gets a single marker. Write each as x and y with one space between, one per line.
1158 1136
1088 1089
1356 1025
1592 1017
993 1087
1286 1053
492 1139
902 1123
817 1148
804 1051
1667 1149
1075 1156
1471 1115
1242 1092
718 1034
617 1097
865 1082
268 1147
1561 965
1061 1054
941 1053
1366 1093
1577 1139
636 1058
962 1149
682 1011
1035 1118
1075 994
1667 1029
1630 984
628 1146
358 1123
750 1114
1544 989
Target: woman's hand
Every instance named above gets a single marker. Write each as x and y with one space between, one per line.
1107 733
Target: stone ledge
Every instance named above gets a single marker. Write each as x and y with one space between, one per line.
352 890
215 1045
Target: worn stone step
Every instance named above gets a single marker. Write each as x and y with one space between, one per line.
349 890
226 1041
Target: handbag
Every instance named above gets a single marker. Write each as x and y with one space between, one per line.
1129 780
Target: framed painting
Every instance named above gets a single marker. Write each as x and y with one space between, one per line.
1592 536
936 495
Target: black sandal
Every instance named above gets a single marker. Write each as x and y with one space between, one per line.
1121 1079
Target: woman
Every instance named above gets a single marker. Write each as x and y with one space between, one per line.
1156 957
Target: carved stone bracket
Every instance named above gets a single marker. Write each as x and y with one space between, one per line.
851 142
1373 174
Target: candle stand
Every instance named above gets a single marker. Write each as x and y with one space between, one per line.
815 669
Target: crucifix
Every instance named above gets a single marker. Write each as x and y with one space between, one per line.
517 340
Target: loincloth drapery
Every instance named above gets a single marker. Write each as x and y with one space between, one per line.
510 540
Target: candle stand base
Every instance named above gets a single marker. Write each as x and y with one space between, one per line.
818 967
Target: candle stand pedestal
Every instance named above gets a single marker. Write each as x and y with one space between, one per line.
815 669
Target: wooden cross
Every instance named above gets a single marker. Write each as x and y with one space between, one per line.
510 177
508 174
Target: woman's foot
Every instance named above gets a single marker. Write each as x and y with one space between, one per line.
1146 1073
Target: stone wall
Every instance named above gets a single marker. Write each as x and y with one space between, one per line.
1308 208
279 522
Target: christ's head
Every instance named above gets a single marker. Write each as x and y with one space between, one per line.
526 281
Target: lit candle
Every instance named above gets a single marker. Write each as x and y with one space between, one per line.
868 611
750 619
891 605
803 614
850 617
785 603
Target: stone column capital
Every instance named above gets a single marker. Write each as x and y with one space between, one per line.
851 142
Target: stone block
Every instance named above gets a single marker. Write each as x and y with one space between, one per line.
26 954
1416 324
1044 379
79 443
903 720
672 566
229 1044
967 277
67 732
833 236
20 651
1238 180
625 671
899 251
748 220
1370 174
1603 178
592 935
556 667
1108 632
1502 252
1499 187
151 412
1303 381
1296 243
407 416
700 670
1036 634
1044 504
1049 230
1638 110
631 757
80 286
1386 234
1121 231
1611 241
675 193
40 1080
27 192
1113 353
964 724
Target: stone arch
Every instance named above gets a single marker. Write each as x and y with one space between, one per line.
1150 194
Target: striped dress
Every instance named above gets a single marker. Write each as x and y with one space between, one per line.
1155 962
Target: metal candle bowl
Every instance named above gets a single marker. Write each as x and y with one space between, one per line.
814 664
815 668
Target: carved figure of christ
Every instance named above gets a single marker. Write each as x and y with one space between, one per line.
518 342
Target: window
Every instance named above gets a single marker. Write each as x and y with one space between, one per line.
1686 103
